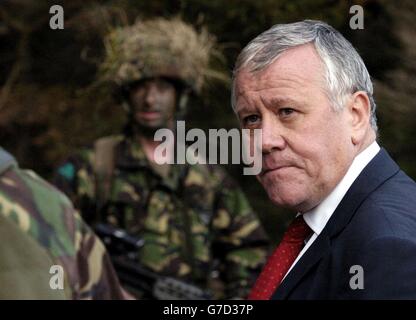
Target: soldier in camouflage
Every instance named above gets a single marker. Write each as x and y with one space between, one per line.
39 229
195 222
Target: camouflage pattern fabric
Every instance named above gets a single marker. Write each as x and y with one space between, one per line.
38 229
196 223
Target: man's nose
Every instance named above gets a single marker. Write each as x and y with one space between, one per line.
272 135
150 94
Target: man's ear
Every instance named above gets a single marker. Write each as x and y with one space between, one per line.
360 110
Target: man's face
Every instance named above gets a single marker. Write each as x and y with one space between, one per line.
153 103
306 146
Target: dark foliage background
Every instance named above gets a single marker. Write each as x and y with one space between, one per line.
47 109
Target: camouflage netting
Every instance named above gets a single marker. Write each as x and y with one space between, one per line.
159 47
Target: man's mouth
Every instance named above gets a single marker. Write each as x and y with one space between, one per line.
149 115
273 169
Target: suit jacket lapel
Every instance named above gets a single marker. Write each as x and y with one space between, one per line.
381 168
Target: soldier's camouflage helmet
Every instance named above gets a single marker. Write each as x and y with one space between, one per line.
159 47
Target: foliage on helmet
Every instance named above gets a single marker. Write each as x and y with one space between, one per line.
159 47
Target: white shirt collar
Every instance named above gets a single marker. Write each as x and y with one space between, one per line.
318 217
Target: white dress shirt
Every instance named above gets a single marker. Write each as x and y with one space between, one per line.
318 217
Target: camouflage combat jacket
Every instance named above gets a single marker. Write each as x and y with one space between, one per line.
42 238
196 223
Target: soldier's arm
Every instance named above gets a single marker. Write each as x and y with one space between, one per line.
97 278
75 178
48 217
241 240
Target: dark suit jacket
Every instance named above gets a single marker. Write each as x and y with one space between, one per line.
374 227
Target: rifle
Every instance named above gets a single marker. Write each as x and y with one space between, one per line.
124 248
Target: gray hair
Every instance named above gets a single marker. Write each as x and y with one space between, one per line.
345 71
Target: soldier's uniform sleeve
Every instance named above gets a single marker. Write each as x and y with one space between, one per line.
75 178
96 276
89 271
242 242
48 217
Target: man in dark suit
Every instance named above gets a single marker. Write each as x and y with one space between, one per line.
354 235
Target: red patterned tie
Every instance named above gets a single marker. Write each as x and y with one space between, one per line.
281 260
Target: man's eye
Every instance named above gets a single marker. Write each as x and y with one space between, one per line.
162 86
250 119
285 112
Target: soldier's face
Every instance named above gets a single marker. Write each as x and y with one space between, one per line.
153 103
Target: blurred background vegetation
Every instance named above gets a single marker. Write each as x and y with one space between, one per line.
47 109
